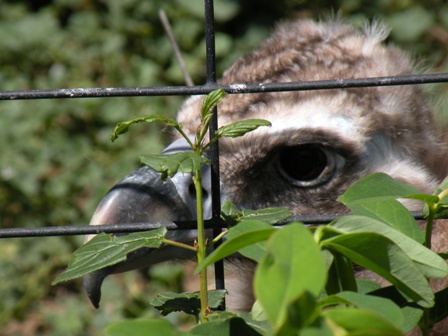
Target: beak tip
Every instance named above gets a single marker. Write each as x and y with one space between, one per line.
92 285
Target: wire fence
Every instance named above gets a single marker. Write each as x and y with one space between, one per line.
211 84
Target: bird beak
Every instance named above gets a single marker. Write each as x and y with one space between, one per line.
140 197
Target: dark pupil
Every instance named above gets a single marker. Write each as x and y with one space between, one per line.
303 163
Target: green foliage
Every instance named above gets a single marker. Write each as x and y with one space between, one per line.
123 126
288 284
189 303
170 164
212 100
379 254
269 215
240 128
431 265
304 282
106 250
384 307
279 278
250 233
360 322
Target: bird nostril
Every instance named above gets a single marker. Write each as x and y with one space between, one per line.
192 192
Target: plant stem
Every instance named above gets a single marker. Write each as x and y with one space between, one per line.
201 246
185 136
429 223
425 319
181 245
432 209
443 194
219 237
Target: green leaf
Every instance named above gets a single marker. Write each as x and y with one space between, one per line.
328 258
380 306
392 213
428 262
239 128
366 286
256 250
268 215
257 311
301 312
442 212
259 326
340 275
359 322
255 232
319 328
323 232
123 127
412 316
210 101
216 298
230 213
428 199
233 326
256 322
380 187
189 303
107 250
170 164
143 327
386 259
293 264
229 209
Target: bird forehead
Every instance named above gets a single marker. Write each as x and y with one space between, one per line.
318 113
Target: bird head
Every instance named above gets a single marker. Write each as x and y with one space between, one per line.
320 141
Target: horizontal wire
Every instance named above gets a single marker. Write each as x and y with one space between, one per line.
231 88
50 231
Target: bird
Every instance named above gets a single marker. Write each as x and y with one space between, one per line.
320 141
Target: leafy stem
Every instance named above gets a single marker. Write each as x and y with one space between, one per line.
219 237
443 194
178 244
185 136
425 324
201 245
432 209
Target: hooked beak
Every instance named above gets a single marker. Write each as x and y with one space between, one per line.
142 196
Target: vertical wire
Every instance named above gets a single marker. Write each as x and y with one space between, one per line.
214 149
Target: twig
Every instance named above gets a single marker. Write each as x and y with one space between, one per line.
177 54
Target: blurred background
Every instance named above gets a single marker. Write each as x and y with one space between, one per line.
56 159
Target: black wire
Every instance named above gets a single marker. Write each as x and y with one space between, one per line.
231 88
135 227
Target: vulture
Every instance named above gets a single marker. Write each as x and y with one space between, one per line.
320 142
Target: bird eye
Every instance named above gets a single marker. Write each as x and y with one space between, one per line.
307 165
